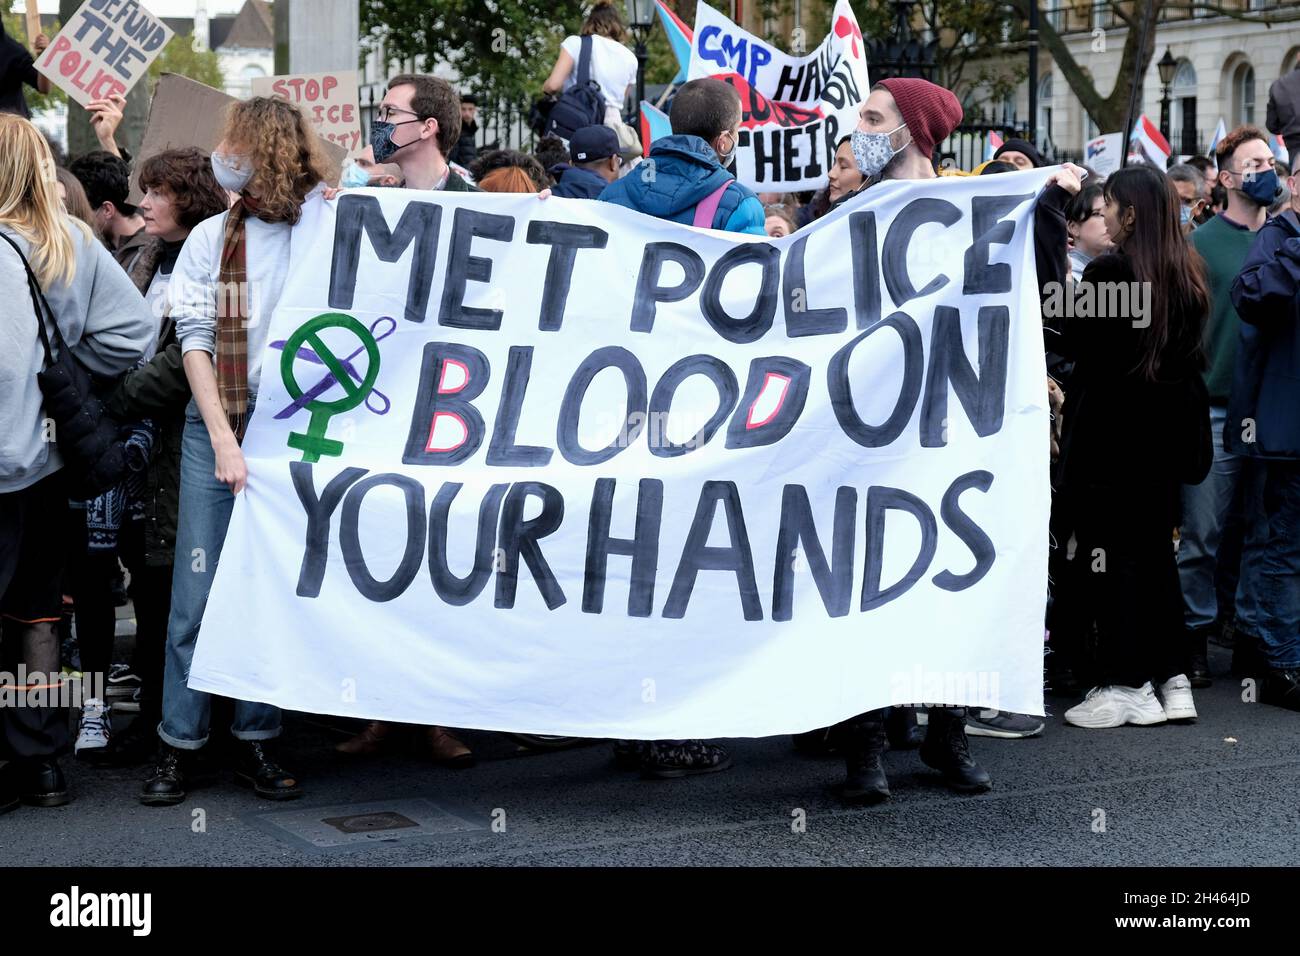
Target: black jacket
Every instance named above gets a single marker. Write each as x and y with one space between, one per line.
1120 427
1266 379
158 390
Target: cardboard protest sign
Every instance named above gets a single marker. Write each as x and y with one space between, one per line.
531 466
795 108
185 112
105 48
329 100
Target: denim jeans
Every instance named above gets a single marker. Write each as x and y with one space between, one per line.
205 506
1205 506
1270 563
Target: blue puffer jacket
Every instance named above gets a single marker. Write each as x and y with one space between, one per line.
574 182
680 172
1266 380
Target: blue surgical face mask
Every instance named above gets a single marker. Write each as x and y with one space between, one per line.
1262 187
1185 215
873 151
381 138
354 177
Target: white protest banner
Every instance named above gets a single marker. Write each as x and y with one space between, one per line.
105 48
795 108
1104 154
559 467
329 100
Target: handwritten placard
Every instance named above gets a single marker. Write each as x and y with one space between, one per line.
105 48
329 100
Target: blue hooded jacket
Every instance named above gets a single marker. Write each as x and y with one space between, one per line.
1266 379
680 172
574 182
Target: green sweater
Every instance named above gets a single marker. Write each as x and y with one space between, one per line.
1223 246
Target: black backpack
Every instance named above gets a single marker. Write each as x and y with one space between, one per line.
582 104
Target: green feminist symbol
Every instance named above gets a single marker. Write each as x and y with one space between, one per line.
313 443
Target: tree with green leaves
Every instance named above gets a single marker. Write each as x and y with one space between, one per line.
501 49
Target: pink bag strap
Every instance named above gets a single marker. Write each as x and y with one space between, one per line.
708 207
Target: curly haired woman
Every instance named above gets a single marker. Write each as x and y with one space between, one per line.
269 157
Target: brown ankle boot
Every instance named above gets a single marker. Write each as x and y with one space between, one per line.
370 741
446 749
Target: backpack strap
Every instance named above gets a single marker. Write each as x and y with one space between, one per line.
708 207
39 305
584 61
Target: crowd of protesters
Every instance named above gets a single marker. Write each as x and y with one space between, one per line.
1175 439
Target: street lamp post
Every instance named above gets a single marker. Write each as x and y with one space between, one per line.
640 17
1166 68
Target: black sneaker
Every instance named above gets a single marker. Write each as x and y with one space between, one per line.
947 750
1281 688
1001 723
121 675
669 759
258 769
165 785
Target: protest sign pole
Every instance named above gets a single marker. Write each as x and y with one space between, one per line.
1136 88
33 21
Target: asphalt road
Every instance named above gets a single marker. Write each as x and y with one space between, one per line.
1222 791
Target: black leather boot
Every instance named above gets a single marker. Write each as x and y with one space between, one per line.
165 785
257 769
862 739
1281 688
1198 665
947 750
902 730
40 782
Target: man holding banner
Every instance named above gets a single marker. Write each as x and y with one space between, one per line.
900 124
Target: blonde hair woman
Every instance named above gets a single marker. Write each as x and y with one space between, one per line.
269 157
99 315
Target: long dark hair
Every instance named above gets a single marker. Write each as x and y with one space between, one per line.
1160 254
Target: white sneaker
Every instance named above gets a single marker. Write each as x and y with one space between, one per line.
94 729
1115 706
1176 693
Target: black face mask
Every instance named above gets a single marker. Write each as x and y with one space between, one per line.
469 126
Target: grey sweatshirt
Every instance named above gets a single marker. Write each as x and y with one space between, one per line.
101 317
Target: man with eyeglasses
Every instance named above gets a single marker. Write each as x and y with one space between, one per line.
416 128
1246 172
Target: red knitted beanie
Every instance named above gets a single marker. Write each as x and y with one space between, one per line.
930 112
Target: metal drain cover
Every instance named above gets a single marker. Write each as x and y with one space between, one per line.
354 825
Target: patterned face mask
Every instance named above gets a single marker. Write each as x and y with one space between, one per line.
873 151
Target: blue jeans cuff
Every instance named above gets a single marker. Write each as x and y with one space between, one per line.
255 734
178 742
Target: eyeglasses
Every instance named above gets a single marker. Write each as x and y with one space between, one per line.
386 113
